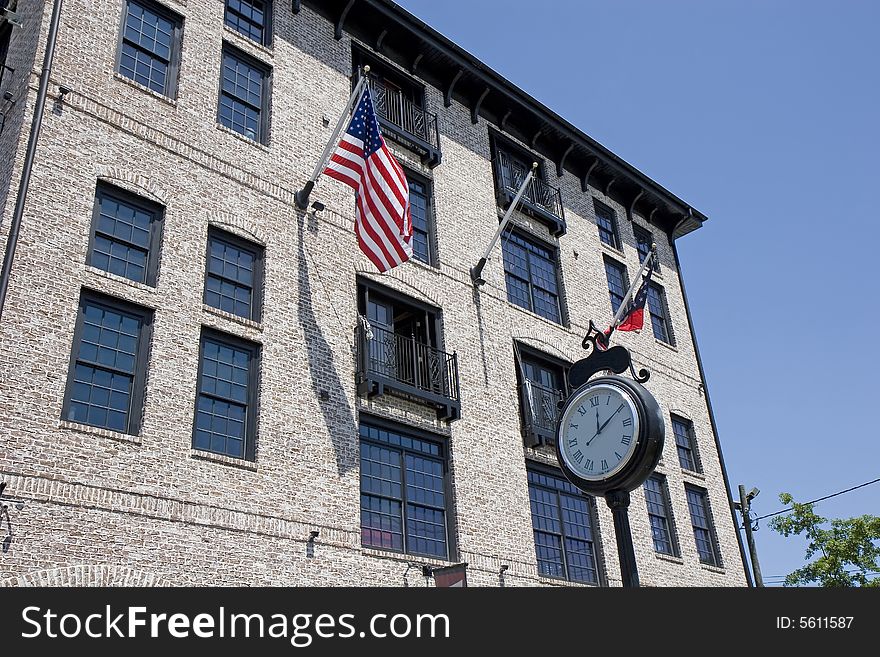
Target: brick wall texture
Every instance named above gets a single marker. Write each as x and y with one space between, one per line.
107 508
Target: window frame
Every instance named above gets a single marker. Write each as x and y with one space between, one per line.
228 49
5 43
599 208
669 338
557 270
268 12
157 224
641 234
254 350
430 219
690 433
142 357
669 517
709 529
592 509
258 251
606 261
448 490
524 354
172 78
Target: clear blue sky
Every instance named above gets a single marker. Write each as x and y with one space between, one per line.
764 115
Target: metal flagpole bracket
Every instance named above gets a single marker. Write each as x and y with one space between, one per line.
477 271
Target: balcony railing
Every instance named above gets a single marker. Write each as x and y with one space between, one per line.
414 126
539 199
540 409
398 362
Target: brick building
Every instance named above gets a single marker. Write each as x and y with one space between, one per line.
202 385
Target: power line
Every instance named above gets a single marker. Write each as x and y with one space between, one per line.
827 497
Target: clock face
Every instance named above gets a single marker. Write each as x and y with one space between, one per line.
599 431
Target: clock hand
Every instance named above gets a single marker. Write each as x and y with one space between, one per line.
605 423
598 428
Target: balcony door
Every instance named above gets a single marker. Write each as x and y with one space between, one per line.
542 389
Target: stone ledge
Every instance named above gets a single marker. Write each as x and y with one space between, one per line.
98 431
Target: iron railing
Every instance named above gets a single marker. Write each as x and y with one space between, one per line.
540 410
401 113
538 195
387 359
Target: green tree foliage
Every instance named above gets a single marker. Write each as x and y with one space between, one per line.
849 552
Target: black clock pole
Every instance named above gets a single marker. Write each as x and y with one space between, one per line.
618 502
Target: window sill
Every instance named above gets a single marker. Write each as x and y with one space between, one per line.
666 344
434 562
532 313
433 268
120 279
137 85
668 557
713 569
241 39
98 431
233 318
253 142
202 455
558 581
694 474
613 250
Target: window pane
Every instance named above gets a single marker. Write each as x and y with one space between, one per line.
704 536
531 276
657 308
222 409
231 278
147 43
241 96
247 17
616 283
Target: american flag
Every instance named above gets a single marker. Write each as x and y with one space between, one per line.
362 161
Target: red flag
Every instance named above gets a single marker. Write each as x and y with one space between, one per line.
363 162
634 317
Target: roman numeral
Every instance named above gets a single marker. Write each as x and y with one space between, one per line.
573 426
608 400
589 465
578 456
627 422
618 456
625 440
619 408
582 410
594 401
572 442
604 465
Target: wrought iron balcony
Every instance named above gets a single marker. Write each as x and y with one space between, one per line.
397 362
408 123
539 199
540 407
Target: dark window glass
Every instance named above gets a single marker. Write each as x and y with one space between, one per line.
701 519
234 275
616 274
684 443
250 18
659 514
123 239
562 520
150 39
607 223
403 493
243 95
420 212
5 38
530 272
105 384
644 239
226 405
657 308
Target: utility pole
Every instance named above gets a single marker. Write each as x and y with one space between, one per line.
744 505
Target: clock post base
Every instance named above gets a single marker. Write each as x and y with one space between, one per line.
618 502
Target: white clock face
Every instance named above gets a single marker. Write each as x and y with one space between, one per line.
598 433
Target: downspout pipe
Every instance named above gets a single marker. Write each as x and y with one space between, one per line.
687 310
15 225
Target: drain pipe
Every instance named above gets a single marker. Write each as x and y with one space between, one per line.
15 225
687 310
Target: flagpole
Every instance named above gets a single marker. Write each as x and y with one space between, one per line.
302 196
477 272
632 288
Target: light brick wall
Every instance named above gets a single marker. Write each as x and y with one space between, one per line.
150 503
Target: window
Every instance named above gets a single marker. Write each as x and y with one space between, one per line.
616 274
562 519
234 277
150 48
644 240
420 211
660 515
126 232
5 38
530 271
685 444
403 492
226 403
250 18
105 385
607 223
244 95
541 383
701 519
657 309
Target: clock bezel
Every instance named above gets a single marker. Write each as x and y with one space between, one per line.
645 455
